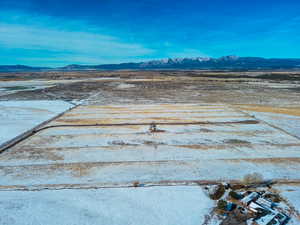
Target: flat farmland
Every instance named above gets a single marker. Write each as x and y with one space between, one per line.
112 146
101 162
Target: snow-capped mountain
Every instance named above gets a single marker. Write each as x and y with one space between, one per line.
225 62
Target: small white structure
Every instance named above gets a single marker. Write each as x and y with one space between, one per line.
259 204
255 207
272 218
264 203
282 218
265 220
250 198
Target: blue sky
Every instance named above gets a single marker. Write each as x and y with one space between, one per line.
60 32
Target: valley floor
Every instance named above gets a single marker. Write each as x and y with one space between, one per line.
101 162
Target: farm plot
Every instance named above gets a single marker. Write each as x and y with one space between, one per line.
108 146
17 117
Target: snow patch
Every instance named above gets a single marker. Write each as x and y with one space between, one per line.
17 117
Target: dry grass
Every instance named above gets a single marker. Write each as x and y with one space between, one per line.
283 161
293 111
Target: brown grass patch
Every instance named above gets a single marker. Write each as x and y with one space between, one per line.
293 111
286 161
203 147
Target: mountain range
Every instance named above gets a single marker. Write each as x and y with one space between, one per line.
226 63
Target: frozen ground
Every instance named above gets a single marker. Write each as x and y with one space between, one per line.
121 206
84 175
291 193
121 153
290 124
15 86
17 117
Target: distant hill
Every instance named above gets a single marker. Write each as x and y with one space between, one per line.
16 68
226 62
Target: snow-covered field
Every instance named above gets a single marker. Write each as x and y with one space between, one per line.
84 175
291 193
11 87
117 155
289 123
115 206
17 117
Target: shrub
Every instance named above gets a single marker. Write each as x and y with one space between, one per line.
222 205
254 178
216 191
273 197
136 184
237 186
234 195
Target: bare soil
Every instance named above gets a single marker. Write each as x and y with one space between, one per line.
143 87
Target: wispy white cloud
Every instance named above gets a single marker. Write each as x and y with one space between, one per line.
72 41
26 37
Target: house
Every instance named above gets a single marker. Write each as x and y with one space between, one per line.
263 208
250 198
272 219
255 207
282 218
265 203
266 220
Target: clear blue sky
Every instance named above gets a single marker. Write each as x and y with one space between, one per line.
60 32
